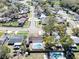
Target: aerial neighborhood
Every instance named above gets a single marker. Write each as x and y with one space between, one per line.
39 29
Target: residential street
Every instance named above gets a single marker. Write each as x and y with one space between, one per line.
46 29
32 28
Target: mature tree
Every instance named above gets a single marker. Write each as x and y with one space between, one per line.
61 28
72 4
13 8
1 5
49 41
77 11
50 21
4 52
66 42
5 2
52 25
75 31
23 46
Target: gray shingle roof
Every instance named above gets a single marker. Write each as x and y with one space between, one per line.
15 39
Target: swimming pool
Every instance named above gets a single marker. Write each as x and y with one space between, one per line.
37 46
56 55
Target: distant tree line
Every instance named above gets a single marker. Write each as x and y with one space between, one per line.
71 4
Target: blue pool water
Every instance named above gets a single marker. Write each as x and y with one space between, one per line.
37 46
55 55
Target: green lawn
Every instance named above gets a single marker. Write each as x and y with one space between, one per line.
38 24
13 24
27 24
1 33
23 33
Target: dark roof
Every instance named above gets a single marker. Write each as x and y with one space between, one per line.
22 20
15 39
36 39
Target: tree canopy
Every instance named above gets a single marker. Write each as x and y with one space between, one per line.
50 21
4 51
66 41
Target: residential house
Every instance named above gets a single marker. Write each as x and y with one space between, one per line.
21 21
75 39
5 19
15 39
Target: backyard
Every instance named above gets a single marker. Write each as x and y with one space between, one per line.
36 56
